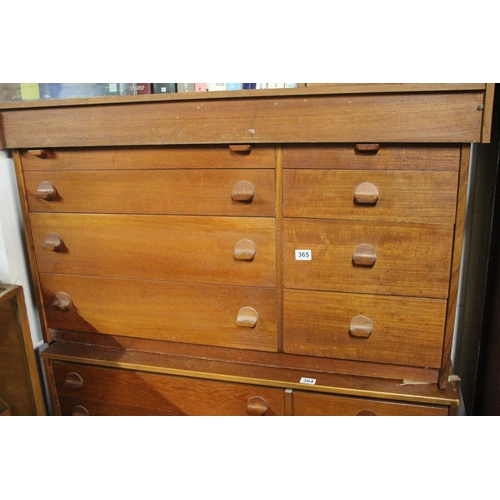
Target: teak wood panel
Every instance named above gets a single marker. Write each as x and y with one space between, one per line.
173 248
402 195
306 404
187 192
414 117
152 158
133 391
411 259
256 368
407 331
388 157
180 312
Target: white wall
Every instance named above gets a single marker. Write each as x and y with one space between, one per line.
14 268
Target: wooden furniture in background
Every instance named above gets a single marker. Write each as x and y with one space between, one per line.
20 385
287 252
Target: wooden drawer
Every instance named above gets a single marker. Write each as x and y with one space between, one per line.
308 404
187 192
412 196
147 158
388 157
163 310
409 259
384 329
226 250
113 391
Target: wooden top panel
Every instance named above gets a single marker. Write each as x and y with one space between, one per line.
380 114
258 375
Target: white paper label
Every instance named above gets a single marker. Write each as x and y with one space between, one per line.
309 381
303 255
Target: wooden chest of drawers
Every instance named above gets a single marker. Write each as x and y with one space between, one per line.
239 268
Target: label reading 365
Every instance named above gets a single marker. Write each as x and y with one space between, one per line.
303 255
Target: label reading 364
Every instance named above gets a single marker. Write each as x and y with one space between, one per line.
303 255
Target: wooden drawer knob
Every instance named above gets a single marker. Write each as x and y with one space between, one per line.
245 250
366 413
366 194
364 255
39 153
46 191
62 301
247 317
241 148
80 411
52 242
257 406
361 326
243 191
73 381
367 148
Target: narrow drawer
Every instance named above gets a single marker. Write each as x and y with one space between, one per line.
307 404
101 390
239 192
386 157
368 257
147 158
384 329
228 316
226 250
412 196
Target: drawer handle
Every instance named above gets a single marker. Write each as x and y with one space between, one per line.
52 242
245 250
62 301
361 326
46 191
243 191
247 317
257 406
366 413
364 255
366 194
39 153
73 381
240 148
80 411
367 148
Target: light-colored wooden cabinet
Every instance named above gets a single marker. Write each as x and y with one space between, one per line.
281 252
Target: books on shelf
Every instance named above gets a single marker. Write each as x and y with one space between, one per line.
216 86
164 88
33 91
185 87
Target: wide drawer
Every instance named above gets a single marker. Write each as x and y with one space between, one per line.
241 192
368 257
109 391
396 330
147 158
228 316
366 157
307 404
412 196
226 250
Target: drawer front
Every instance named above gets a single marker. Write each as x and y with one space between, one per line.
148 158
396 330
185 192
412 196
371 257
182 312
307 404
226 250
113 391
387 157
